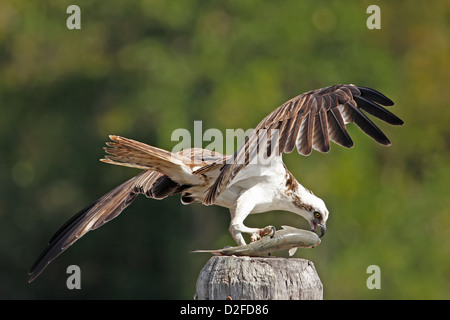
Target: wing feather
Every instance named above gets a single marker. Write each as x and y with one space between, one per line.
365 124
378 111
338 132
94 216
309 121
323 139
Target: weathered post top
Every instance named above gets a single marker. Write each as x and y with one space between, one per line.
258 278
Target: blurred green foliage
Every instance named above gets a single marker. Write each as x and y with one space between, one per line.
142 69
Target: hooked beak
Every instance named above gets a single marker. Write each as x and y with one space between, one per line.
323 228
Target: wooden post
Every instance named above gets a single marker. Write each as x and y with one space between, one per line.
258 278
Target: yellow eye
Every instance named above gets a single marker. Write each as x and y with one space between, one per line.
317 215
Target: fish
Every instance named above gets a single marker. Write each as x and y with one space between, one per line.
289 238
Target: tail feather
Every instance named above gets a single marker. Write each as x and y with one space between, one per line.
135 154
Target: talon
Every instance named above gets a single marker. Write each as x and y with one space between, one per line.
255 237
272 232
267 231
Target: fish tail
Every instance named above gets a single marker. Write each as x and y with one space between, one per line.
215 252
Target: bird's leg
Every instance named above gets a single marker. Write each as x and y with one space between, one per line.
237 226
236 231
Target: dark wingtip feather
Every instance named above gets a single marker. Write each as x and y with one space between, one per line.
54 247
377 110
366 125
348 143
375 95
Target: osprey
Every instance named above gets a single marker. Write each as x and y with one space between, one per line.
242 182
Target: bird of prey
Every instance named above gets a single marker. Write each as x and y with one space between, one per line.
240 181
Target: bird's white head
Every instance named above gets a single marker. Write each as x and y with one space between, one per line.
312 208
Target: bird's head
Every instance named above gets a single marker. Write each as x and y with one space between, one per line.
319 219
313 209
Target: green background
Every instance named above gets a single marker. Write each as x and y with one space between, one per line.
142 69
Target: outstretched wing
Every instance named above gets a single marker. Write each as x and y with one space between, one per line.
309 121
150 183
